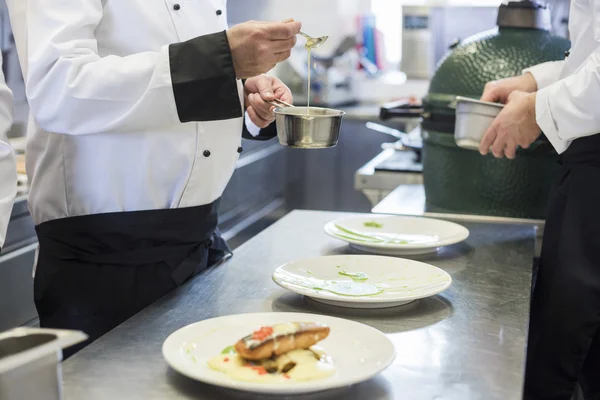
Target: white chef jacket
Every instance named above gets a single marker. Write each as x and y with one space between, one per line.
568 99
8 167
134 104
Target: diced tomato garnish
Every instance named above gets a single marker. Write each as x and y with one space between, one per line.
286 376
259 370
262 333
226 359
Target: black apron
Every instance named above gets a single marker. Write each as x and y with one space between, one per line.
564 334
96 271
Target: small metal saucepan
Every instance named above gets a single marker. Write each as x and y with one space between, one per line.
473 119
303 128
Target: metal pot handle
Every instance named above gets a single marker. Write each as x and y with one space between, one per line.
454 44
402 136
400 109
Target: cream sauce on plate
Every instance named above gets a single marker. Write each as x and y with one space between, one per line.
309 365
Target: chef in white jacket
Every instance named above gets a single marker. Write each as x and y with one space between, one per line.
562 99
8 167
138 108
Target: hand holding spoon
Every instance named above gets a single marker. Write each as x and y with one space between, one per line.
313 43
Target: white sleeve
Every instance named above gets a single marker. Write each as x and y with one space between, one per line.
72 90
547 73
568 109
252 128
8 167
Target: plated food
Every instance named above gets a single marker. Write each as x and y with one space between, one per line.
277 353
281 355
362 281
396 235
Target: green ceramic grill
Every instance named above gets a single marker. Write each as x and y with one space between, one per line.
462 181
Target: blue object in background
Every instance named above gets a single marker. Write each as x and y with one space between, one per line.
368 27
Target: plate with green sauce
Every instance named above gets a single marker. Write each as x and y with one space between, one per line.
362 281
396 235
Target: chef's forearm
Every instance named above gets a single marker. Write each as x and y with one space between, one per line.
546 74
568 109
204 81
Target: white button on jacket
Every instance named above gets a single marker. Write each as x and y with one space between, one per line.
568 100
134 104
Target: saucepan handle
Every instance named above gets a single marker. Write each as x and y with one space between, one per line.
400 109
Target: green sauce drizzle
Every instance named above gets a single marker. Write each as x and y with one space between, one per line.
355 276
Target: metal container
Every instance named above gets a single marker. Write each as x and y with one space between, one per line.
319 128
29 362
473 119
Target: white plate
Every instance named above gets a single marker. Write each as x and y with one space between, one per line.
401 280
359 352
420 235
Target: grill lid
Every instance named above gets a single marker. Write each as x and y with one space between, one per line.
525 14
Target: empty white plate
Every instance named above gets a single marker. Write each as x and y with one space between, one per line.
358 351
362 281
396 235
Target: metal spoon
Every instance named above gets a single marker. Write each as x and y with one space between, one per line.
313 43
280 103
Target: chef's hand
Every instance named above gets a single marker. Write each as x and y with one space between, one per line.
514 126
256 47
498 91
259 91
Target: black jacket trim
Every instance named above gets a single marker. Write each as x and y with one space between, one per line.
204 80
267 133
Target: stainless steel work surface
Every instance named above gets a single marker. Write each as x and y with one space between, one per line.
410 200
467 343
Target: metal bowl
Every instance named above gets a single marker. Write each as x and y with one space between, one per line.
473 119
299 128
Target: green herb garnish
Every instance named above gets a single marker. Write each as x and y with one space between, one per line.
366 238
229 350
373 224
360 235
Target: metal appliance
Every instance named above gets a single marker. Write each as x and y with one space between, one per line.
417 43
429 31
399 163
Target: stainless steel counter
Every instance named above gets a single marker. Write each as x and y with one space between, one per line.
468 343
410 200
